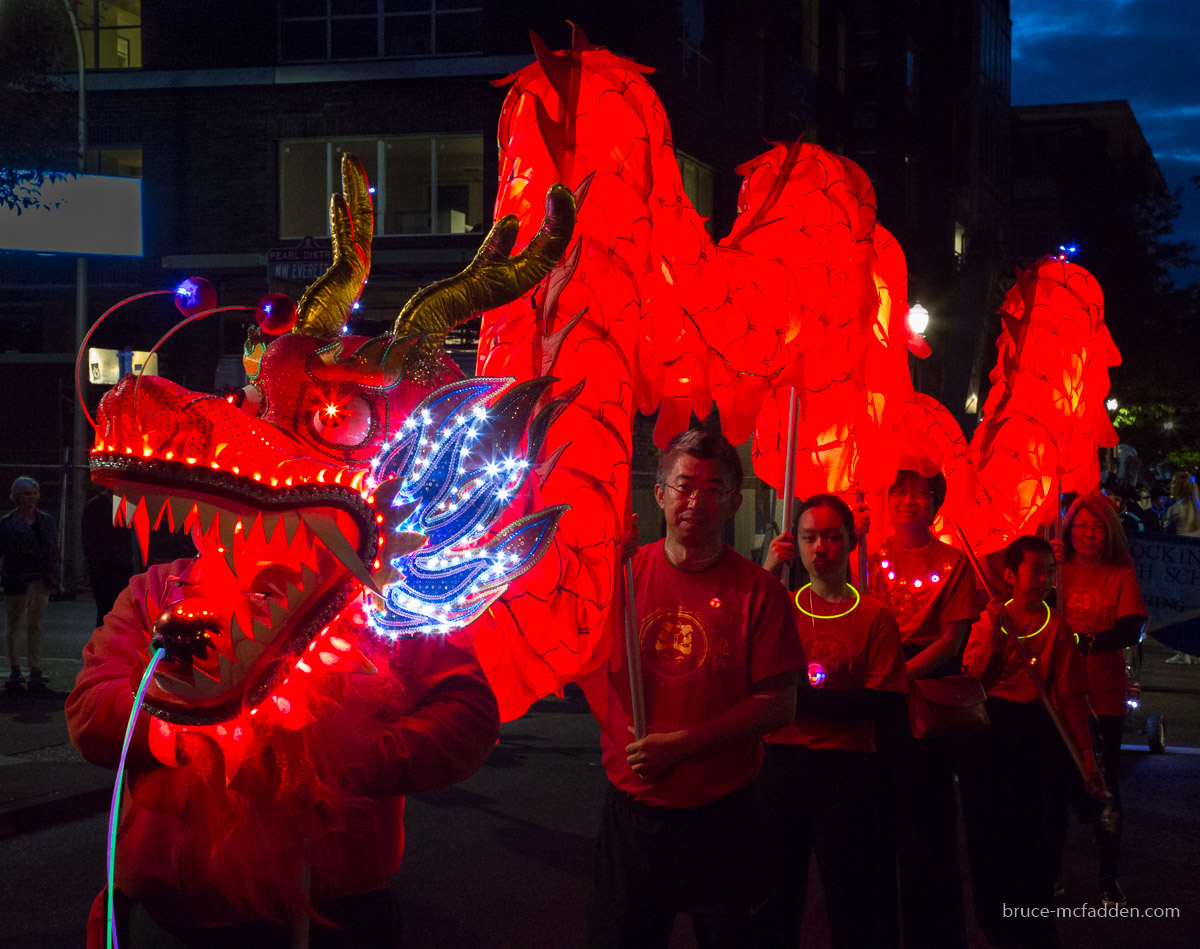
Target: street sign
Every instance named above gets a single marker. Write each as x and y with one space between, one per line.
107 367
302 263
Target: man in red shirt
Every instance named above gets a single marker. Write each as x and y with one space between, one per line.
680 830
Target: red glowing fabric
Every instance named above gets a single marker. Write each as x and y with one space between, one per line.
1045 415
806 290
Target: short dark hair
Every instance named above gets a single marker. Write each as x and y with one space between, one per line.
1014 553
706 445
838 506
937 485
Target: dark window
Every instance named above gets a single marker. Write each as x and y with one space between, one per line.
313 30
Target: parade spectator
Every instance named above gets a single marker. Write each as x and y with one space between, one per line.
1010 781
1183 516
29 567
680 829
1103 605
819 782
930 589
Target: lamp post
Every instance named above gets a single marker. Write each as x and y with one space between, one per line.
79 433
918 322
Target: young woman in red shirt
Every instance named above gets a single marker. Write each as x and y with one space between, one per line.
819 778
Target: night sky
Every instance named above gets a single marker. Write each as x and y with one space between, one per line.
1145 51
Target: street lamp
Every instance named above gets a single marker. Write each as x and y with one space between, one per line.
79 431
1112 405
918 319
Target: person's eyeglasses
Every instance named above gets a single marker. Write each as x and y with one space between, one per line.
710 493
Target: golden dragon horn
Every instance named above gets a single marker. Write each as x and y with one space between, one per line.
494 277
327 302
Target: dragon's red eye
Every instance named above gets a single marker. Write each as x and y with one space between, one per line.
345 422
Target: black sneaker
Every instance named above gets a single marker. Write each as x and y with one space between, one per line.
15 676
37 681
1111 893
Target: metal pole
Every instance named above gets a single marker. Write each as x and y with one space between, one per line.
79 430
633 657
789 474
859 496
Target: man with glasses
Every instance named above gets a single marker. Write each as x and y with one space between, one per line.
719 651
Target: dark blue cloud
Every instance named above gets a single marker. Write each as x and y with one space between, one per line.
1145 51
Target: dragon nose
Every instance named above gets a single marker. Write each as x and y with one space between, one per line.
185 630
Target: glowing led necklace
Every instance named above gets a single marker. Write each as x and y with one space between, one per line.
812 615
1045 623
888 565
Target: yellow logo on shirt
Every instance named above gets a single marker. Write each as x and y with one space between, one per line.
675 643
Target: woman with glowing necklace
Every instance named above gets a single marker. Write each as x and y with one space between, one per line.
1011 790
930 589
819 777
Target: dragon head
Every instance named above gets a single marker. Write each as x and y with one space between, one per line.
354 480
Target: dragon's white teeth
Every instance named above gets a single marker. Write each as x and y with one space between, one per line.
294 596
291 522
260 631
248 650
326 530
247 522
226 522
278 614
173 511
308 577
206 513
269 523
154 507
141 527
118 508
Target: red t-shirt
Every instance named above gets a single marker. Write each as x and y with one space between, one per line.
924 588
860 650
707 639
1097 595
1058 660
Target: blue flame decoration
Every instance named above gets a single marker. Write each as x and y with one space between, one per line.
456 465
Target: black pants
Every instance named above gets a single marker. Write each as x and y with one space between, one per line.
826 801
708 862
921 823
1011 799
1107 733
362 921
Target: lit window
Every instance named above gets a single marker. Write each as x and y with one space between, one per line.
120 162
378 29
697 185
111 31
424 184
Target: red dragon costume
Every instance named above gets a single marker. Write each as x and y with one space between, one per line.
360 493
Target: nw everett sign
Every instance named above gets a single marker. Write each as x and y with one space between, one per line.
302 263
